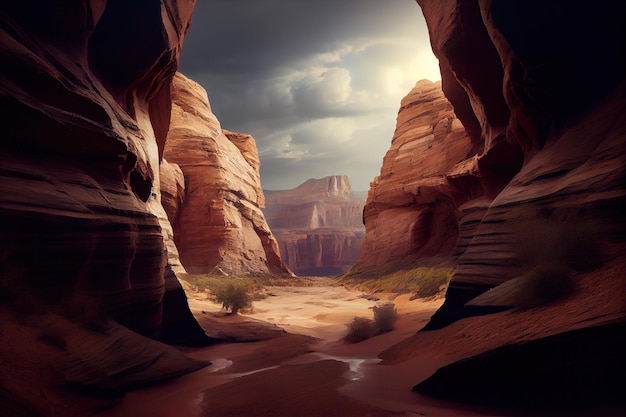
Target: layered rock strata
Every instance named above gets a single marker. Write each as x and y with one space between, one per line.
85 91
547 239
219 227
569 130
318 225
429 171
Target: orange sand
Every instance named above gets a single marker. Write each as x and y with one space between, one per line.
308 371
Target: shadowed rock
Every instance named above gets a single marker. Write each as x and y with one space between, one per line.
85 91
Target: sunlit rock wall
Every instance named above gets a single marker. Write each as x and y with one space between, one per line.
219 227
411 214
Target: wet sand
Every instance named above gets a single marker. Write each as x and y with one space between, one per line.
308 371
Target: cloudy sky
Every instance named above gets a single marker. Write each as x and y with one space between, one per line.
318 83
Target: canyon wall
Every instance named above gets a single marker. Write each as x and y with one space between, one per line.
85 93
215 209
541 90
318 225
411 213
531 94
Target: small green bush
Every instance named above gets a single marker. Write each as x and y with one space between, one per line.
359 329
234 296
385 317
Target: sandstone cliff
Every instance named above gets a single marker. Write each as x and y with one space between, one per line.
219 227
550 133
569 131
412 207
85 93
318 225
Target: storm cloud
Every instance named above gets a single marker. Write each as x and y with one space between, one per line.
317 83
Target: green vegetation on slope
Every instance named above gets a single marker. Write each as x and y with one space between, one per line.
423 282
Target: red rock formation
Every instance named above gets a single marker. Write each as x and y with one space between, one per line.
565 153
172 189
411 210
219 227
549 124
318 225
84 89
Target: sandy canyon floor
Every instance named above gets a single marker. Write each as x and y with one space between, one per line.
295 363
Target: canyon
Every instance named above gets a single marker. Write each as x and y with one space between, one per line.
318 225
116 179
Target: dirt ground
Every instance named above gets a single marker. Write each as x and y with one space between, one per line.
297 363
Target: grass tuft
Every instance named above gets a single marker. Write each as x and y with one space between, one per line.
423 282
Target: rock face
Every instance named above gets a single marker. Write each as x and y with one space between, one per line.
318 225
219 227
550 134
85 93
412 207
569 130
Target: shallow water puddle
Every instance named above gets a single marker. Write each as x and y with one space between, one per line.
356 364
355 372
219 364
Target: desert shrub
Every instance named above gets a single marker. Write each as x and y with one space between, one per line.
562 237
552 246
543 284
233 295
213 284
359 329
385 317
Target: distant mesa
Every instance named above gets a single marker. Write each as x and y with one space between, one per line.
318 225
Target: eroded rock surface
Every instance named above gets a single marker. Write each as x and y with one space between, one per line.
219 227
318 225
550 135
412 206
532 94
85 93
